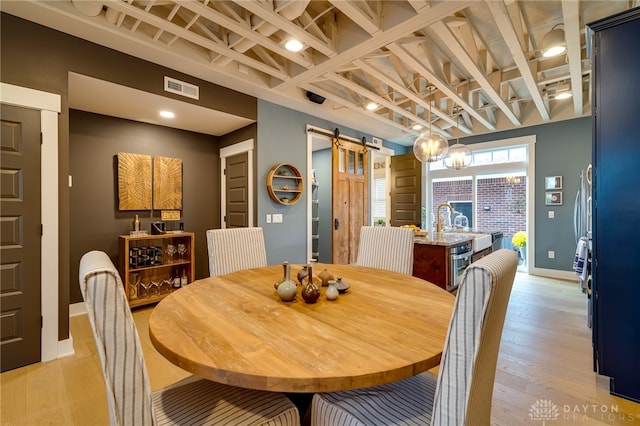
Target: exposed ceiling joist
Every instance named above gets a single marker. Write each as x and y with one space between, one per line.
483 56
355 10
415 64
443 32
504 23
570 14
422 18
268 14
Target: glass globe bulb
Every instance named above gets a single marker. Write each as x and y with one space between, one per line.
430 148
458 157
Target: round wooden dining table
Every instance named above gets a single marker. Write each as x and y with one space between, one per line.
234 329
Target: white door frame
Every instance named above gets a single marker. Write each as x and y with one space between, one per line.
387 153
229 151
309 187
49 106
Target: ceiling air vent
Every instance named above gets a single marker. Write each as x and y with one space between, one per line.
181 88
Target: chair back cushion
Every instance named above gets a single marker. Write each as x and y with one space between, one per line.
234 249
467 370
117 342
389 248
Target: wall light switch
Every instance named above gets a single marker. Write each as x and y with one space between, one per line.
552 214
268 218
277 218
551 254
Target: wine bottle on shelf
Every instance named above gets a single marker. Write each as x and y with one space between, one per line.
176 279
184 279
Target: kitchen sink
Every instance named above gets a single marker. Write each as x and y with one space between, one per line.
479 241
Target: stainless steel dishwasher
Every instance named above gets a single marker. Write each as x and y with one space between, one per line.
459 259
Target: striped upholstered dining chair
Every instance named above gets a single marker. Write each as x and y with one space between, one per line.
389 248
189 401
234 249
461 393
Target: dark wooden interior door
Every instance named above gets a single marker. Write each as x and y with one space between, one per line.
237 191
406 190
350 198
20 237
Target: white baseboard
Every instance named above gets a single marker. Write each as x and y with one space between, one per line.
65 347
554 273
76 309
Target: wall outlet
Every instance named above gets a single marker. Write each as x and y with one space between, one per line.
277 218
268 218
552 214
551 254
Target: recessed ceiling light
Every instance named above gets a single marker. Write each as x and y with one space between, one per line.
371 106
417 127
563 95
293 45
167 114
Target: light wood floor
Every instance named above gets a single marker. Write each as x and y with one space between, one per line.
545 355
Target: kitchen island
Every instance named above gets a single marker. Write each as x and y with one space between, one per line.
441 257
434 257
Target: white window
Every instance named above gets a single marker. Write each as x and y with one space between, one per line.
379 207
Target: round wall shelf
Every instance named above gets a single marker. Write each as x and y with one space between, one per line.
284 184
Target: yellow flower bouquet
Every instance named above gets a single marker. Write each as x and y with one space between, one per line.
519 239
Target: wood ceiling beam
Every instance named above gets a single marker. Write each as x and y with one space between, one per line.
262 10
409 94
571 17
345 82
418 4
425 16
416 65
364 19
350 105
197 39
244 30
443 32
512 39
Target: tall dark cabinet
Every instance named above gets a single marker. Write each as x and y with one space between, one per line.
616 201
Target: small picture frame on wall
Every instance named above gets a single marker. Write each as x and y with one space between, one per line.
553 182
553 198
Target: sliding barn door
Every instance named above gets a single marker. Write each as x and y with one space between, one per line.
350 199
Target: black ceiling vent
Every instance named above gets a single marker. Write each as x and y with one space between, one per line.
313 97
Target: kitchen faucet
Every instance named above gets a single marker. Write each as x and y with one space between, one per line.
440 225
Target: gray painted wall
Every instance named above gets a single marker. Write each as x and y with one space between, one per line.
282 138
562 149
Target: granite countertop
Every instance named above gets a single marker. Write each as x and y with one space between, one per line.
474 231
447 239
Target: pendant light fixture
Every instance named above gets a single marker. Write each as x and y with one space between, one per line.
432 147
458 156
553 43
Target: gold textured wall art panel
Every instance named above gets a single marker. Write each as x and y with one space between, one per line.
134 181
167 183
